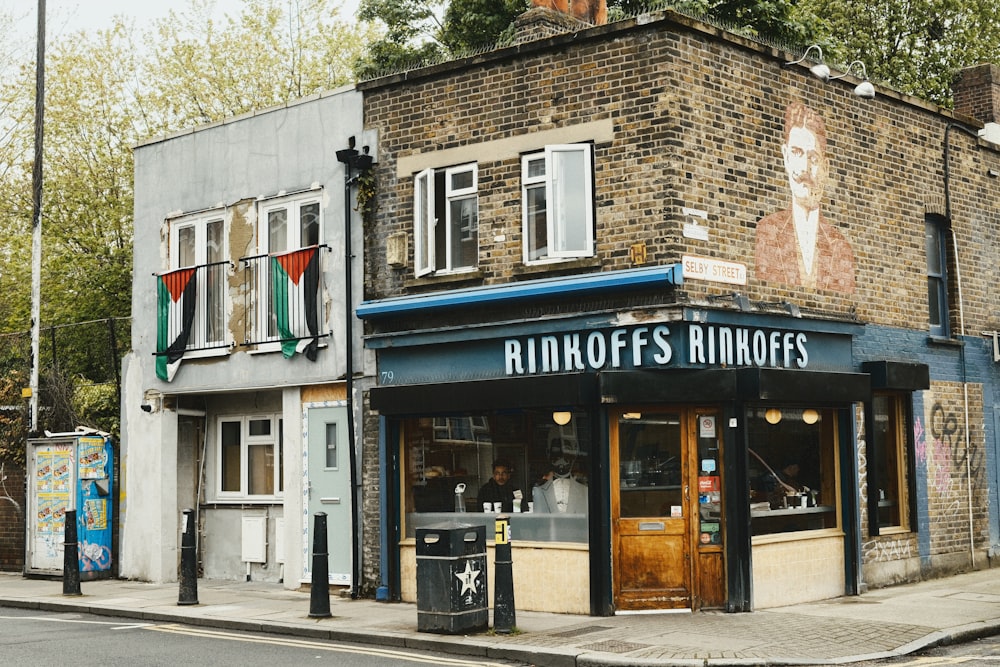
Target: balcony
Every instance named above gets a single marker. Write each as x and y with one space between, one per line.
191 310
285 301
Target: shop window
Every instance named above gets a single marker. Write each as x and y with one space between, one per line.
936 239
887 463
448 195
251 457
535 465
558 203
793 470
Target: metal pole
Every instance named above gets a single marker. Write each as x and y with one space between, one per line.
319 591
188 593
36 217
71 556
503 579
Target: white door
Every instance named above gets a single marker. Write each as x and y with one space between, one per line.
329 484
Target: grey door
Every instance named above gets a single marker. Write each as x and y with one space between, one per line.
329 487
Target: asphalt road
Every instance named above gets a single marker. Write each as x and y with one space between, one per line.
30 638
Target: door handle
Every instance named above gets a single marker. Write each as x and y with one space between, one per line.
687 493
330 501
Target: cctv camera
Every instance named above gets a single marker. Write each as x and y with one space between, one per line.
146 407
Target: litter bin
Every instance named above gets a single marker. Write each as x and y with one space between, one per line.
451 578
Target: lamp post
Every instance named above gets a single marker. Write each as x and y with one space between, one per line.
360 162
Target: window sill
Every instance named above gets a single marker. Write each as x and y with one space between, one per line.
944 341
444 279
209 353
240 503
557 266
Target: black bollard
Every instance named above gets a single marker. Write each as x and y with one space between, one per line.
503 579
319 591
189 561
71 556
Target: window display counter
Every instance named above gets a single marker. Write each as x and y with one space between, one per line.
524 527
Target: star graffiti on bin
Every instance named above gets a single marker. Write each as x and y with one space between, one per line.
468 578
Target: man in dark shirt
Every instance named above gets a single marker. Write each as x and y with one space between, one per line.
498 489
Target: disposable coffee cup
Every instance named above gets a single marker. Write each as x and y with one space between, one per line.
517 504
487 507
498 507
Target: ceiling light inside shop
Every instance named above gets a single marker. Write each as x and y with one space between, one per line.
772 415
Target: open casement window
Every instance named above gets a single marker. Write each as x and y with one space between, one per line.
936 239
449 195
251 457
888 464
199 244
558 203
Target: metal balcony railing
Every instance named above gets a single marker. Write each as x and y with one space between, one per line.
284 299
191 309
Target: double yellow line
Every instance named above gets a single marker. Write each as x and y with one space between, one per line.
320 646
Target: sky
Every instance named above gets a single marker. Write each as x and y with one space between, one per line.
67 16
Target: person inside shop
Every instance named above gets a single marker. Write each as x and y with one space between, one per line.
561 492
783 481
498 489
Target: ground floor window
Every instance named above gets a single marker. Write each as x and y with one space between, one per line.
533 464
887 467
250 456
793 469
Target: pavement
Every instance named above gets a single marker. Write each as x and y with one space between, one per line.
882 623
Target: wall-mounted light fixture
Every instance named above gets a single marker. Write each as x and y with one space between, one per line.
819 70
562 417
772 415
864 89
810 416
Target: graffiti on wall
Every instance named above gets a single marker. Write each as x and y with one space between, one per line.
875 551
943 446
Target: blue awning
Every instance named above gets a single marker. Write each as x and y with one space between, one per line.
576 285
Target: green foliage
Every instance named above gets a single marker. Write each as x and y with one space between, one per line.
916 46
471 25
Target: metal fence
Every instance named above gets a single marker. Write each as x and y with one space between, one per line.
79 373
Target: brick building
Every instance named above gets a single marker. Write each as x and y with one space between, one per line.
728 326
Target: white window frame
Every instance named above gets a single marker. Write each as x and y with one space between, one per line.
293 205
200 224
426 217
558 201
274 440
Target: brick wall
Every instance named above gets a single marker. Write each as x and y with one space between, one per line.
697 122
12 490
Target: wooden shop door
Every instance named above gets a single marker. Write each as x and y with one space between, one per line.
657 529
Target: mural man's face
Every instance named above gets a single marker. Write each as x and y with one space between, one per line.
806 165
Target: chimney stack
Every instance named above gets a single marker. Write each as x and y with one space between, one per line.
977 94
594 12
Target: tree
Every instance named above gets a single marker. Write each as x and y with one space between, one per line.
420 32
273 52
915 46
105 93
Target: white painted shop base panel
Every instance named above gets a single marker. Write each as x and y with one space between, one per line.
790 571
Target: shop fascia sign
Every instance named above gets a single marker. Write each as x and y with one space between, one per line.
654 346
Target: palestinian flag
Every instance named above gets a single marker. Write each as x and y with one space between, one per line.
294 293
176 298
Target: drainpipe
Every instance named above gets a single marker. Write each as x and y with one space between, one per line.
961 327
352 160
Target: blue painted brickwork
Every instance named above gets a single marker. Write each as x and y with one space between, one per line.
945 363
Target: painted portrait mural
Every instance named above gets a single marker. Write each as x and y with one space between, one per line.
798 245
